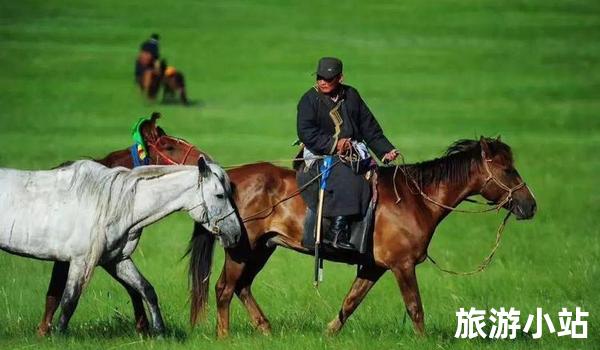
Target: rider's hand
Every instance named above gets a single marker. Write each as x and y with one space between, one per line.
342 145
390 156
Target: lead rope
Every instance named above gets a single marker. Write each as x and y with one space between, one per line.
295 193
486 262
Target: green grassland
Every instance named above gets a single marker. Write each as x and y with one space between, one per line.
432 72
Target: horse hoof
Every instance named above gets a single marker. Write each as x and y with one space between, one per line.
264 327
43 331
142 328
266 331
333 328
222 335
159 333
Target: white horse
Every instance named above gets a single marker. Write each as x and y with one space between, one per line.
88 215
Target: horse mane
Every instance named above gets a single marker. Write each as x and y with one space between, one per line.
150 172
156 171
456 162
111 191
222 176
114 189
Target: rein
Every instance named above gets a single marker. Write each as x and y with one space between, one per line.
490 177
347 157
275 161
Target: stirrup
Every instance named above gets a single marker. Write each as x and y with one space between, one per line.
341 244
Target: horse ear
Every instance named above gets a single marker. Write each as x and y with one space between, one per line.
154 117
203 167
148 129
485 148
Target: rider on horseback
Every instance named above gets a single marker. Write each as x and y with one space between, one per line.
147 57
332 117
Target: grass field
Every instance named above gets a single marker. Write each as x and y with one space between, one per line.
431 72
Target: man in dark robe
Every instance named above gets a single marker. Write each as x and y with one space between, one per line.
147 57
331 116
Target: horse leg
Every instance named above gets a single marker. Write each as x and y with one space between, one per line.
224 290
407 280
60 270
243 287
366 277
183 96
141 320
128 273
75 282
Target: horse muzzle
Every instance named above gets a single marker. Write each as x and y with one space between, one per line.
523 210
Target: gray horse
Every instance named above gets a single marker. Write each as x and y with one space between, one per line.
88 215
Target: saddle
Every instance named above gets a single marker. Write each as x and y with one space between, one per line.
361 230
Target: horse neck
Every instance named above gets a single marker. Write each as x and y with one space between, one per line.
158 197
117 158
451 193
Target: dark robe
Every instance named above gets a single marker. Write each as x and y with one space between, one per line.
319 129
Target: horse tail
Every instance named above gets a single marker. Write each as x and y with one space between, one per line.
200 249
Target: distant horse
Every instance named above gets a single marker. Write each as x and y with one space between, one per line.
173 83
160 75
163 150
402 230
88 215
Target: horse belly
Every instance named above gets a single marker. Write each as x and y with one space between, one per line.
122 250
53 232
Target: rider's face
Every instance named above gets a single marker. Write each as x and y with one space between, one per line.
327 86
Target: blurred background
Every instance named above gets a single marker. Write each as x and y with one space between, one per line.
431 73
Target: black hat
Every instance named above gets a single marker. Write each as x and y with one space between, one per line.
329 67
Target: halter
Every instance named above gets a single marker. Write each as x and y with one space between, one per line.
168 159
215 229
492 178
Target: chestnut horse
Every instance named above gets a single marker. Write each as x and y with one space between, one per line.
402 230
163 150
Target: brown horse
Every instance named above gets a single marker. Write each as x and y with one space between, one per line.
173 84
402 230
163 150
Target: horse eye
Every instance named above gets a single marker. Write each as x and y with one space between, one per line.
220 196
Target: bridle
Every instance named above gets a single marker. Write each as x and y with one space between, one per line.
168 160
215 228
503 186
